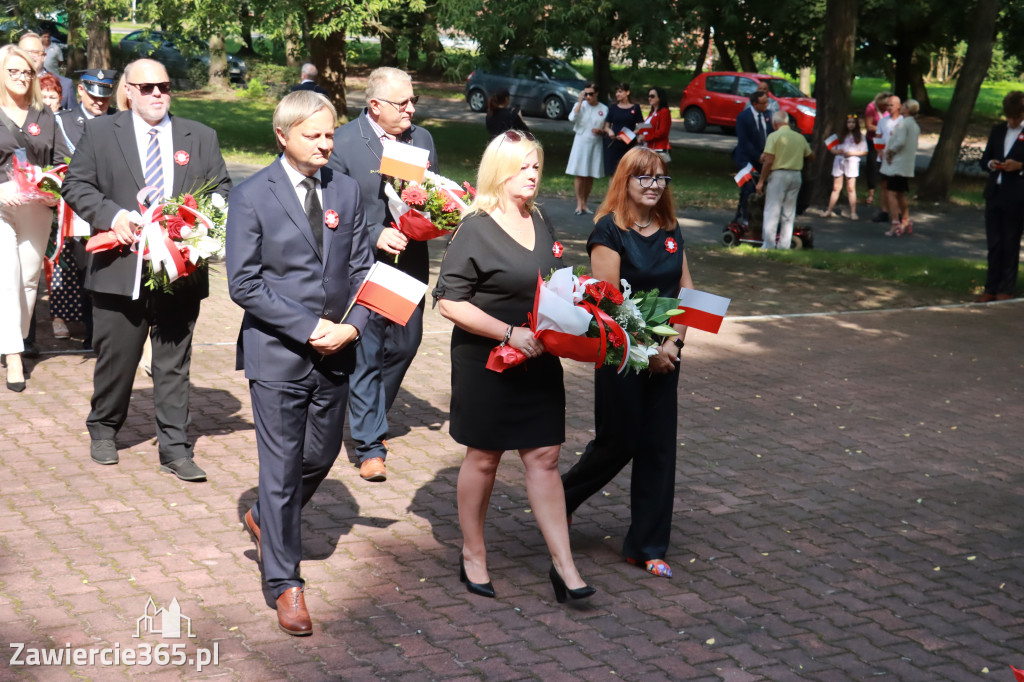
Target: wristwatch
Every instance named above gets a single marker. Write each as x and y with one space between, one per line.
679 343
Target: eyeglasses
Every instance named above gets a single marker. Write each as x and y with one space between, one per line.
518 135
147 88
659 181
589 94
21 75
403 105
38 53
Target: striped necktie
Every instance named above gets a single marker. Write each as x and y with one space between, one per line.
154 169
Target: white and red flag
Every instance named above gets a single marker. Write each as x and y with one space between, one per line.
701 310
626 135
404 161
831 141
745 175
390 292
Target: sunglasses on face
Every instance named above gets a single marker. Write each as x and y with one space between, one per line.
589 94
404 104
647 181
147 88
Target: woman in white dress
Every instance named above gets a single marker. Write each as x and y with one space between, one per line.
846 166
586 159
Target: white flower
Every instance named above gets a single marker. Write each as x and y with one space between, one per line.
627 290
639 354
218 202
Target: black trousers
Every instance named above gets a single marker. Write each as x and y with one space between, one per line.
1004 224
299 427
635 416
120 328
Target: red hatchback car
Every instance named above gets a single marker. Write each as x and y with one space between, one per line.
718 97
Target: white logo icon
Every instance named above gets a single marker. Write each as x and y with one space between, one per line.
164 622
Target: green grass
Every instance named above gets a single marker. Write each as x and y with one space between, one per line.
950 274
987 110
243 125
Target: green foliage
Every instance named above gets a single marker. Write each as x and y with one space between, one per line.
254 89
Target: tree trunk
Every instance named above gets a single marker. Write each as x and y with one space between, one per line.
328 56
75 56
602 50
293 45
903 54
745 55
705 45
917 87
805 79
97 33
389 46
725 62
432 46
218 62
834 83
939 176
248 48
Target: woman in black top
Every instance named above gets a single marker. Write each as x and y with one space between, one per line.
486 287
637 239
624 114
502 117
26 129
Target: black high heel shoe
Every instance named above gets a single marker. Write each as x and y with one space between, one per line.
561 591
483 589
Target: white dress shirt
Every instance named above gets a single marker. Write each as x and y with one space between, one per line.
296 178
166 147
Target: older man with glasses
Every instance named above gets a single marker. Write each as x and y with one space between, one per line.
33 44
116 157
386 349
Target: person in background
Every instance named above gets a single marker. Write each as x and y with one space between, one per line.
623 115
889 119
50 87
54 59
586 160
658 124
309 73
26 126
486 287
898 167
1003 158
33 45
752 127
872 115
846 165
502 117
636 238
783 159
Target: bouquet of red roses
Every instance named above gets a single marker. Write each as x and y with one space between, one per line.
585 319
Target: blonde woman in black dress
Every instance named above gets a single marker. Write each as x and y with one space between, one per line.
486 287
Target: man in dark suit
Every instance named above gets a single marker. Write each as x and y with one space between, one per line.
308 74
33 44
1004 199
115 158
387 349
752 129
297 251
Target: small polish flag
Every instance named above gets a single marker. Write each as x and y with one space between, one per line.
626 135
831 141
404 161
879 143
745 174
701 310
390 292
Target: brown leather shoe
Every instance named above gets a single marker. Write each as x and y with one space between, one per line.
373 469
1004 297
986 298
254 530
292 616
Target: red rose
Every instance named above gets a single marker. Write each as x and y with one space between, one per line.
601 290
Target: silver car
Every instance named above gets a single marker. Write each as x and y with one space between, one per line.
539 86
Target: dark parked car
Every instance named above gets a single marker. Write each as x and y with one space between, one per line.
176 53
538 85
718 97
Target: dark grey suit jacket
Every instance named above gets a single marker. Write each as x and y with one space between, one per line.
357 151
105 176
283 282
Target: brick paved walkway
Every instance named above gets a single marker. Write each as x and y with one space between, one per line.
848 508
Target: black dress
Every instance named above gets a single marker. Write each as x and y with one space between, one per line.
522 407
615 149
506 118
635 413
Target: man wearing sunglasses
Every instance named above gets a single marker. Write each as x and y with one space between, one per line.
386 349
115 158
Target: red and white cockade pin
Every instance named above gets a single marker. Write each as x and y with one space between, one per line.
331 219
33 129
181 157
557 249
1021 136
670 245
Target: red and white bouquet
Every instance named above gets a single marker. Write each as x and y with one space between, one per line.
585 319
175 238
36 183
428 210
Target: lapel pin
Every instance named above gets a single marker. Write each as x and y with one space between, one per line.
331 219
181 157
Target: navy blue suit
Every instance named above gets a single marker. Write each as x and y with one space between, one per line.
749 147
1004 213
387 349
286 285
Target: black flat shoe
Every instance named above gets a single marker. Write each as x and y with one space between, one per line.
562 592
483 589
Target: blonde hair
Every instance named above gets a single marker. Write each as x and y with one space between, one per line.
296 107
501 161
35 95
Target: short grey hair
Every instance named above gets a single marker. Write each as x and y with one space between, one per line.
381 77
780 117
296 107
308 71
913 106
